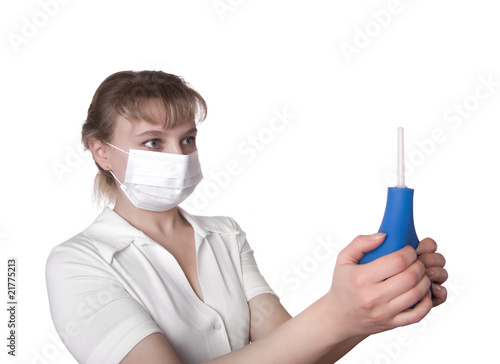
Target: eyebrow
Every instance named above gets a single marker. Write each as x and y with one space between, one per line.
157 133
151 133
192 130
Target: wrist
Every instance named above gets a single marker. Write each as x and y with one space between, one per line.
335 326
342 318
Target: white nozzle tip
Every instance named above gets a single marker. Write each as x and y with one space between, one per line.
401 159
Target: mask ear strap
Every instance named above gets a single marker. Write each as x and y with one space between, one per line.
110 171
121 150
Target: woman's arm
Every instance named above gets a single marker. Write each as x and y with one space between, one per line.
267 313
302 339
153 349
363 299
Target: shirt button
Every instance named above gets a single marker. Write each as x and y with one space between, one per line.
217 326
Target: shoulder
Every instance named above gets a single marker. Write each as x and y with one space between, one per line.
107 234
79 244
77 252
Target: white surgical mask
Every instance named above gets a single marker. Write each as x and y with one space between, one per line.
157 181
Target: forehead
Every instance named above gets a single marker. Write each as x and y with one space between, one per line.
152 111
150 114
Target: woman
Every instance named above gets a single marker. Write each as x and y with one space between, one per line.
148 282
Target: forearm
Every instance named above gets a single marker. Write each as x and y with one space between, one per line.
340 350
304 339
270 314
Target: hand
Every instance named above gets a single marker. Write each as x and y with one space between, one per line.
375 297
434 269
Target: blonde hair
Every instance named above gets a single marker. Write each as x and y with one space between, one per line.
128 94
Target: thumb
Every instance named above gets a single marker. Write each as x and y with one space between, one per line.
361 245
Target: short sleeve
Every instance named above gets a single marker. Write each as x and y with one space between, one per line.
254 283
96 318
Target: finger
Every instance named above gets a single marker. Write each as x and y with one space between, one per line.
361 245
412 296
433 260
439 294
426 246
402 282
437 275
416 314
391 264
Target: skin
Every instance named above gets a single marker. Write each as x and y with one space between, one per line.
363 299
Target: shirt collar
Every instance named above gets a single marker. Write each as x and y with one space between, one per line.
112 233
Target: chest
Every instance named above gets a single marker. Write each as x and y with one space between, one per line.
186 257
182 247
157 280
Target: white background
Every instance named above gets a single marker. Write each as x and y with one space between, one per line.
322 177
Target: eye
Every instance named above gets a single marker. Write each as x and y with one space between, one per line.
153 143
190 140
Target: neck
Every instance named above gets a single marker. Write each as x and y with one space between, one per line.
149 222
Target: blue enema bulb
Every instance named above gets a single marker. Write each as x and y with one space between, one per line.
397 223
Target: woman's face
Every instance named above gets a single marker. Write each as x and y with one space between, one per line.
180 139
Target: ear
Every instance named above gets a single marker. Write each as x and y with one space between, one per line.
99 152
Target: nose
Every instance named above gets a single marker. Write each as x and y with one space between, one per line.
173 148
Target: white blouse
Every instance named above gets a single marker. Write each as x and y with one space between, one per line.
111 286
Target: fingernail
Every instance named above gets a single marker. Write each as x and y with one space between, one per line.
377 236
